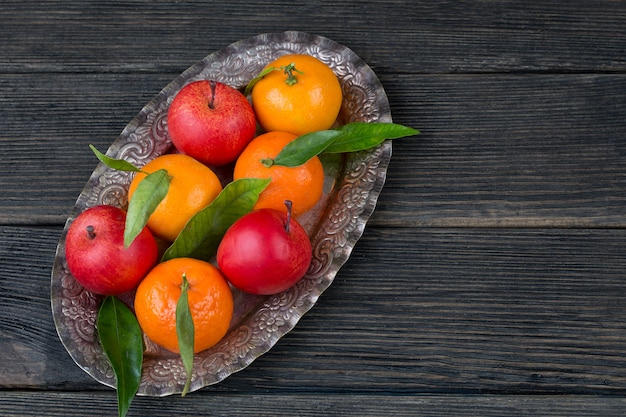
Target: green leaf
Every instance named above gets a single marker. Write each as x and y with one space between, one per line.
147 196
185 332
358 136
122 342
203 232
355 136
305 147
118 164
256 79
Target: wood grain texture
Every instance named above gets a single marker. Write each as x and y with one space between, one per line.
413 311
50 121
508 151
24 404
490 279
496 150
395 36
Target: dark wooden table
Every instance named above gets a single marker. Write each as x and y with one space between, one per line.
490 279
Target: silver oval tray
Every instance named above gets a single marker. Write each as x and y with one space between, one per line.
353 183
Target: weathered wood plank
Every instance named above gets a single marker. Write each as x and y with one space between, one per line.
497 150
500 151
23 404
48 122
437 36
413 311
465 282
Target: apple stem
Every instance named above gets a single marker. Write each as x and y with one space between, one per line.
212 85
288 204
91 232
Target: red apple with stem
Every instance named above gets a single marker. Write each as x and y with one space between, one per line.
265 252
211 122
96 255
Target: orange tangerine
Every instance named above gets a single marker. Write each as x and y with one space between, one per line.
303 185
210 302
193 186
302 97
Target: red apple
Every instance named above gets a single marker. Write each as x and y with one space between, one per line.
96 256
264 252
211 122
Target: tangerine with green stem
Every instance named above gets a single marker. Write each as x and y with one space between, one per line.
303 185
209 297
298 94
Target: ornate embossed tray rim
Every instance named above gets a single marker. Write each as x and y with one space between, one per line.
334 233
